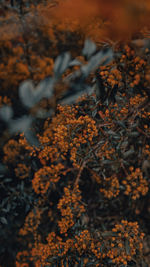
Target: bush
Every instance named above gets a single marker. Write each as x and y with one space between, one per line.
75 150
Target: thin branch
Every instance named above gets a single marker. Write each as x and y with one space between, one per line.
79 173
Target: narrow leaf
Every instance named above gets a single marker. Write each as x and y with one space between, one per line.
3 220
6 113
20 125
100 58
127 247
75 62
61 63
89 48
31 138
26 93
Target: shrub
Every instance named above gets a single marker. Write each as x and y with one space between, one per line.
75 146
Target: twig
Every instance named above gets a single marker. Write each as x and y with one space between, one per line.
79 173
124 168
140 131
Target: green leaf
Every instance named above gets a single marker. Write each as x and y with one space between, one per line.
89 48
127 247
3 220
61 63
128 153
134 134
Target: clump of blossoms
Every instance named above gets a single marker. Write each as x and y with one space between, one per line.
111 187
70 207
66 133
118 246
5 101
45 177
135 184
126 243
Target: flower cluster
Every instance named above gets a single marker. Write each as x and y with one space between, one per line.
16 154
83 241
31 222
118 246
146 150
135 184
5 101
22 171
125 243
21 259
106 151
111 76
11 151
111 187
46 176
70 207
66 132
